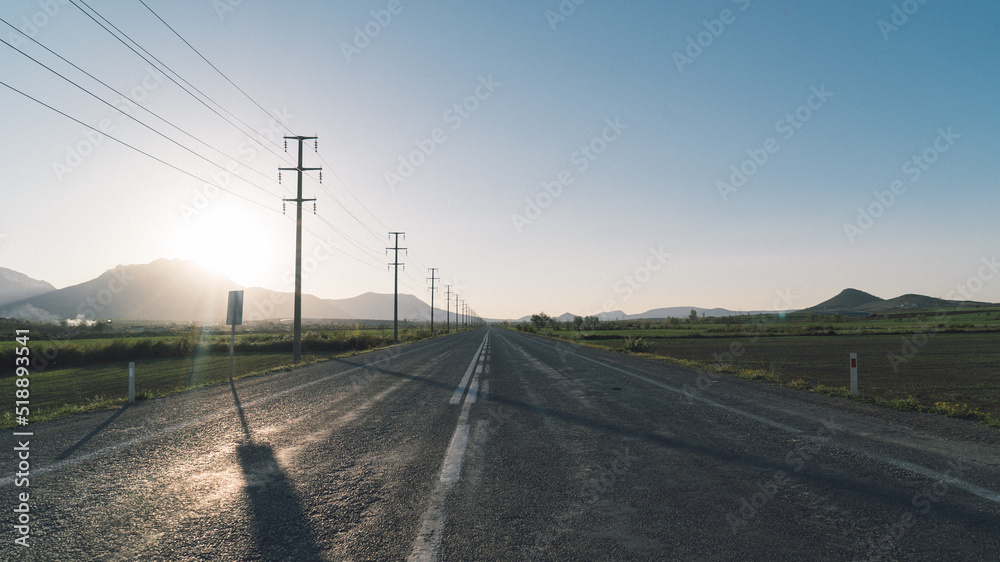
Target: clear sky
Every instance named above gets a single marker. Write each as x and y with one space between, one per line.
545 156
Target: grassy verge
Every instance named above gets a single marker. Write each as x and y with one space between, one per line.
955 375
57 393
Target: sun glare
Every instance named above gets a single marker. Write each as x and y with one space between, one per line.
222 242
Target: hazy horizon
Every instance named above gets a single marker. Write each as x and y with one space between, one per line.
558 157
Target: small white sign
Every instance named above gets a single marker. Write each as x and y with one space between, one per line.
234 316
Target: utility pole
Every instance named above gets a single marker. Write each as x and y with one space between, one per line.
432 279
447 309
297 342
457 325
395 291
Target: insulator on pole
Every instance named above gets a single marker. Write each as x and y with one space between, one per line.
282 207
279 177
321 176
314 207
286 145
316 145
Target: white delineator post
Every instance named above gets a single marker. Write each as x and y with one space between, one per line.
854 374
131 382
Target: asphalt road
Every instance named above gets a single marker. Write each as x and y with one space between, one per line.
494 445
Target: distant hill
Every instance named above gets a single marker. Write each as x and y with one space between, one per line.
16 286
183 291
849 300
672 312
852 302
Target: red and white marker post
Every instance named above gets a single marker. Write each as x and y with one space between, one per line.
854 374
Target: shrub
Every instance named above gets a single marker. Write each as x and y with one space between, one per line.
634 344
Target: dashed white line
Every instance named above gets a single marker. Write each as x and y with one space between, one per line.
457 396
427 545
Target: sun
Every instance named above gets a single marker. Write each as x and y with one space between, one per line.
220 240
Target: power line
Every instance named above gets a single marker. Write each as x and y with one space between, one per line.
171 71
140 151
119 110
266 112
215 68
123 95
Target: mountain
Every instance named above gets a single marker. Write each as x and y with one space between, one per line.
183 291
849 300
16 286
672 312
852 302
684 312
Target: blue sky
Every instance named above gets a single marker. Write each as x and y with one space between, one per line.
643 109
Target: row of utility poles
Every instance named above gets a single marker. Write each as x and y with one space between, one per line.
464 315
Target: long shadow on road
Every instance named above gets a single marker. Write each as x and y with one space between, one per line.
280 527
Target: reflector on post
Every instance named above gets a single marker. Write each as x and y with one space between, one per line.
854 374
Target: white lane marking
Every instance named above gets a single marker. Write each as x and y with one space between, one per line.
460 390
934 475
984 493
427 544
473 390
452 465
8 480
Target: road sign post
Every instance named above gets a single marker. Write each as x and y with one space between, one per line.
234 316
854 374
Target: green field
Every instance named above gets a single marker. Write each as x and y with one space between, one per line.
87 373
929 361
59 392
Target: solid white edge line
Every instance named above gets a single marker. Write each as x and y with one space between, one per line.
984 493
